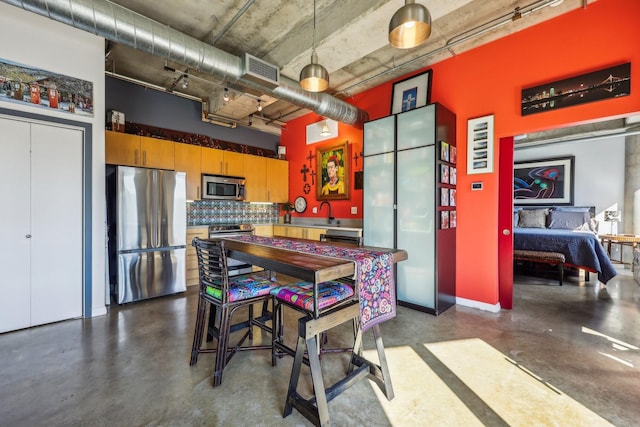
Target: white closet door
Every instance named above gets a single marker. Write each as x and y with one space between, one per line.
15 292
56 224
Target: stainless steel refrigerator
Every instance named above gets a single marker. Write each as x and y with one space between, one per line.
147 217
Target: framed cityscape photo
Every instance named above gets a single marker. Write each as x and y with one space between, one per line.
444 151
444 197
480 145
444 219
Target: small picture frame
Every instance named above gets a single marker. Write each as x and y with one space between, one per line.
444 151
452 197
444 219
453 154
453 175
444 174
453 222
444 197
480 145
410 93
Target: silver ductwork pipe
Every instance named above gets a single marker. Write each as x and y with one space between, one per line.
121 25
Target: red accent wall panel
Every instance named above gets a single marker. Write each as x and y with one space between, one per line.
489 80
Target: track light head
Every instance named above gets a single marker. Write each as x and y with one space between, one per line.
225 97
185 81
259 105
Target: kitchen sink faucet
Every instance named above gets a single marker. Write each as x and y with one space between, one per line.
330 218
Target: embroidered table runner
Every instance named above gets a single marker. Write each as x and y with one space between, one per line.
374 274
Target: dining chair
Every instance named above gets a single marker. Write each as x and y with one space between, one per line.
224 295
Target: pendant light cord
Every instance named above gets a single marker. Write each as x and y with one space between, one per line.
314 27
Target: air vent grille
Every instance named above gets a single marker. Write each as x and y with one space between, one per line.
260 71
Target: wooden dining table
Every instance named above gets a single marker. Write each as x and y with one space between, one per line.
316 269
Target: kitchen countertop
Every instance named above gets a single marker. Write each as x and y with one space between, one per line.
305 225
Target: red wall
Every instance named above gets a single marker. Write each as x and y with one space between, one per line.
489 80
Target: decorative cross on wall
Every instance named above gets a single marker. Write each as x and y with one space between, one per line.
310 157
304 172
357 156
313 176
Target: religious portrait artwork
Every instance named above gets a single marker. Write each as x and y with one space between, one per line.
333 172
410 93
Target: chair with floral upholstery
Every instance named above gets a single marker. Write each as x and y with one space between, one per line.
224 295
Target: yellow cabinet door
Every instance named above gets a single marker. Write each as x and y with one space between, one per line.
280 230
188 159
264 230
255 168
314 233
233 163
157 153
192 258
212 161
277 180
122 149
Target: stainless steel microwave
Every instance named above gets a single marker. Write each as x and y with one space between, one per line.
222 187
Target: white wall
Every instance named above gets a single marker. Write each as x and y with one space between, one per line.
36 41
599 171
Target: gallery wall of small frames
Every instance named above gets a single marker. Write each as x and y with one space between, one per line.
446 188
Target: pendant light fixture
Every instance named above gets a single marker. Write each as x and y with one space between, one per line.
314 77
410 26
325 130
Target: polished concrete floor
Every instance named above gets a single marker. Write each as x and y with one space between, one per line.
130 367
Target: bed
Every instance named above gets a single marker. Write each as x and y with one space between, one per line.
570 232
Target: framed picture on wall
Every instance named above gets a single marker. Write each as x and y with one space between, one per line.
410 93
333 172
480 145
444 174
543 181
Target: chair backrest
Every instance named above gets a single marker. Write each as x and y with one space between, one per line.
212 268
356 240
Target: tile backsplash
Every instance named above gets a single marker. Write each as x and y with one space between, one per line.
205 212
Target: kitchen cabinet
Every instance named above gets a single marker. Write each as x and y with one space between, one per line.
404 187
310 233
41 257
188 159
267 179
221 162
192 258
135 150
264 230
277 180
255 168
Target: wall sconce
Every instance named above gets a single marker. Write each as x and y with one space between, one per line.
325 130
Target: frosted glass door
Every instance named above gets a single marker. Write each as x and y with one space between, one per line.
378 200
416 226
416 128
379 136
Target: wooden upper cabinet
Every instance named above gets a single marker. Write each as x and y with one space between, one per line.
277 180
134 150
157 153
221 162
188 159
255 168
122 149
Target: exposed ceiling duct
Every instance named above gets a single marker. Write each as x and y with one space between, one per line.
116 23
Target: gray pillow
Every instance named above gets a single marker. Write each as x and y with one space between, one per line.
569 220
532 218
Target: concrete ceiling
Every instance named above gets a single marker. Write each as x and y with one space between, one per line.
351 42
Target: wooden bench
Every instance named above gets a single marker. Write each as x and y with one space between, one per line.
554 258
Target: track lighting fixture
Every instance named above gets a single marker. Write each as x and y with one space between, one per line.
410 26
250 119
226 95
516 14
185 81
314 77
259 105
